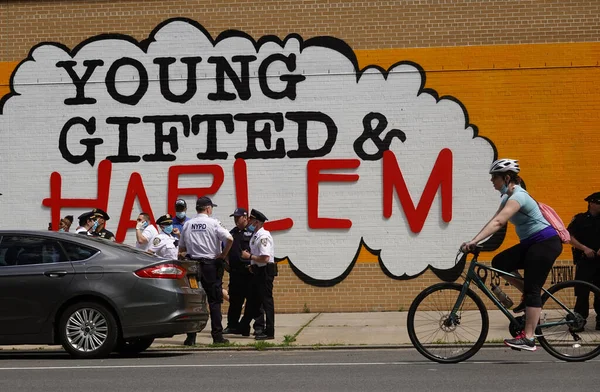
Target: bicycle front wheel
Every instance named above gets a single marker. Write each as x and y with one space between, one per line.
441 336
563 330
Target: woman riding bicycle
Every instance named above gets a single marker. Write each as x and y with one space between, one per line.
538 249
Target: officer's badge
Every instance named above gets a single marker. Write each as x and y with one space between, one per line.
264 241
156 241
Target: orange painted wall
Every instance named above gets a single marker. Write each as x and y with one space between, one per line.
537 103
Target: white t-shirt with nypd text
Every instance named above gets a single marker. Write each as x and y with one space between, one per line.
149 233
261 244
163 245
202 237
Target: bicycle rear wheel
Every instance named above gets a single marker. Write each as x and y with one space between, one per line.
571 339
440 337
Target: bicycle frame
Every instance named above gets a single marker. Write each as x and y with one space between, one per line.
473 276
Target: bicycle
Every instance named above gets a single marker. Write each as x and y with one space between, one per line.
454 320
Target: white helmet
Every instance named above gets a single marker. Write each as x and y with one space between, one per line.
505 165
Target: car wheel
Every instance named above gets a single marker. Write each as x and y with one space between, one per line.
134 346
88 330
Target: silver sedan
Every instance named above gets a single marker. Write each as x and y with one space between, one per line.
91 295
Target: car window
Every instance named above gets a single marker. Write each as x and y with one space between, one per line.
77 252
27 250
113 244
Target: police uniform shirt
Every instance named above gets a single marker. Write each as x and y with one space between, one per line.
82 230
164 246
104 234
202 237
261 244
241 241
149 233
586 229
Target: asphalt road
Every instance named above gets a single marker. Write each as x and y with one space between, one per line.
310 370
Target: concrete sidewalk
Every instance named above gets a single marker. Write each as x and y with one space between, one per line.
372 329
340 329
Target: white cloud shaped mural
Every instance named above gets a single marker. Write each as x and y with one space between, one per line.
417 182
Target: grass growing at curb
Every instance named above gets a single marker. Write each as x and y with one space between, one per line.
259 346
293 338
288 340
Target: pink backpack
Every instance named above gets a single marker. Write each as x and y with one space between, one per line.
555 221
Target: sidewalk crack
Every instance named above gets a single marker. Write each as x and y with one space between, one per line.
304 326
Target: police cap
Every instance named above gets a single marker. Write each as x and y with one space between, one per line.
99 213
594 198
164 220
86 215
180 203
259 216
239 212
205 201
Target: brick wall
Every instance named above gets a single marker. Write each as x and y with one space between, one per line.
362 24
367 290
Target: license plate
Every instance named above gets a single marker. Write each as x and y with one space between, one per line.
193 282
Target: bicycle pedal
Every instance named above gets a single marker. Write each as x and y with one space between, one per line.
514 348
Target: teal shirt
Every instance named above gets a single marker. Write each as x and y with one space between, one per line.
529 219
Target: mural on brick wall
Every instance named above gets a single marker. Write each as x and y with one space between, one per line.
337 157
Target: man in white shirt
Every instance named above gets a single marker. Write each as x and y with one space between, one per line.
262 260
144 231
201 241
86 222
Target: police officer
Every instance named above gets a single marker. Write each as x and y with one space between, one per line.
100 231
585 239
144 231
163 244
180 217
201 241
262 260
240 278
86 223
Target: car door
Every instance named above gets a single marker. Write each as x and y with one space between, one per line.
34 276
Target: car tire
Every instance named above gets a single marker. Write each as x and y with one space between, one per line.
133 346
88 330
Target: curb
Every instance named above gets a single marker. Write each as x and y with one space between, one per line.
244 348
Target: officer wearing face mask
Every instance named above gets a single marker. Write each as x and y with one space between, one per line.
144 231
264 270
86 223
240 278
100 229
180 218
163 244
201 241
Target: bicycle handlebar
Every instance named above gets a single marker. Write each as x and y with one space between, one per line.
474 251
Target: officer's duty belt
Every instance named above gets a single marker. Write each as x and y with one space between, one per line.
203 259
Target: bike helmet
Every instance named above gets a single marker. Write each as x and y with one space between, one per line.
505 165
